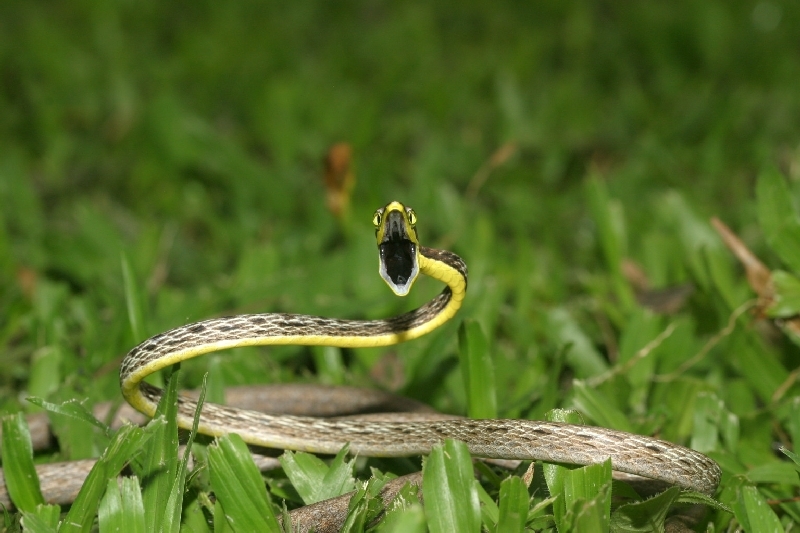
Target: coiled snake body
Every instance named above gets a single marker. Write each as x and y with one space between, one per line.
401 259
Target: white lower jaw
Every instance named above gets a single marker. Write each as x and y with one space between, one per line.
403 288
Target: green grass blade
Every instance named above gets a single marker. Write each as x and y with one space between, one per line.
712 420
701 248
121 508
451 498
357 510
408 520
597 407
36 524
221 523
589 488
239 488
786 302
339 477
555 475
707 411
306 473
477 370
44 519
127 442
773 472
329 361
793 456
697 498
647 515
778 217
160 463
132 299
132 505
110 513
514 503
608 216
17 455
581 354
45 371
73 409
539 520
754 513
749 352
314 480
641 328
172 515
591 514
407 501
193 519
490 512
75 427
365 505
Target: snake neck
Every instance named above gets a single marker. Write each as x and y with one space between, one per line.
448 268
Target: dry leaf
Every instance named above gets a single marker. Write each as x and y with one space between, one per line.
339 178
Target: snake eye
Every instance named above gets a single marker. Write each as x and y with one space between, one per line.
376 220
412 217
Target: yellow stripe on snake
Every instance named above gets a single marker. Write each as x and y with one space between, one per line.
401 259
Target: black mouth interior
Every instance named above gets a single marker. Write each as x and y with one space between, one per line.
398 257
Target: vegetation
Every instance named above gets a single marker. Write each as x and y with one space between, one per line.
161 163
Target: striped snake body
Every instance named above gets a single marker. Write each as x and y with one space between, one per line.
401 259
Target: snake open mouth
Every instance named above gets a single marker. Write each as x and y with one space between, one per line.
399 260
398 256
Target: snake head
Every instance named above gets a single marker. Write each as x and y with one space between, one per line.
396 233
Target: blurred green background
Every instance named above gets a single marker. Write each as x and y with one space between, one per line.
186 140
190 137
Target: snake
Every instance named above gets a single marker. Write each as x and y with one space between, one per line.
401 260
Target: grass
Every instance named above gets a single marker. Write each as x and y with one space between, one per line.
161 163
